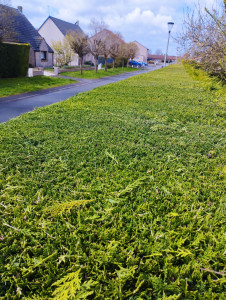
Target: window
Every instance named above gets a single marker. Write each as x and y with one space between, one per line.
44 55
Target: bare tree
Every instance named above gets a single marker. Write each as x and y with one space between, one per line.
97 26
115 44
79 44
7 31
123 55
105 52
132 50
204 39
128 51
119 35
98 43
96 47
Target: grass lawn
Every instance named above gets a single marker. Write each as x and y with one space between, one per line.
14 86
116 193
90 74
49 69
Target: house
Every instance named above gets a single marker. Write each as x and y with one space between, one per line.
41 55
54 30
104 35
142 53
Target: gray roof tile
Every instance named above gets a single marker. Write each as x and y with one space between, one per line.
64 26
25 32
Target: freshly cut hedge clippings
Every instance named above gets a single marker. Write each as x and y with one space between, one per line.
116 193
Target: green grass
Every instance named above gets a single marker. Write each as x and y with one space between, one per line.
49 69
90 74
116 193
14 86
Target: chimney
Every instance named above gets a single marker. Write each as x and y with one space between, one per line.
77 23
20 8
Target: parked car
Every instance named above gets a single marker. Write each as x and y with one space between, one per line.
143 64
135 64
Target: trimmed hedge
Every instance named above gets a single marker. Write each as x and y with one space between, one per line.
14 60
116 193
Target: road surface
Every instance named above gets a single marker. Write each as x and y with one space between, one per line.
14 106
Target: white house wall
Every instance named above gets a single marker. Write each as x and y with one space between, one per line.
142 53
51 33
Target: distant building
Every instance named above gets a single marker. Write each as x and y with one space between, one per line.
41 55
54 30
142 54
160 58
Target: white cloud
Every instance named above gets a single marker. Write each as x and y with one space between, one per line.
132 17
141 20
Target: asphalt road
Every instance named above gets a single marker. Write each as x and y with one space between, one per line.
14 106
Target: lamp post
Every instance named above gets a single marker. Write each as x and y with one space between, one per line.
170 26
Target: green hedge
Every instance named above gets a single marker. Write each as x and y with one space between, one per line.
14 60
116 193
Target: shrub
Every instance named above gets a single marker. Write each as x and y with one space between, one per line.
206 81
118 62
109 66
88 63
14 60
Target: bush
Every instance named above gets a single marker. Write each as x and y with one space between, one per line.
118 62
109 66
14 60
206 81
88 63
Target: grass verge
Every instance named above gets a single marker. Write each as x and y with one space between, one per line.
14 86
116 193
90 74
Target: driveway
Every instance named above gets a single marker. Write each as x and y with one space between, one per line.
14 106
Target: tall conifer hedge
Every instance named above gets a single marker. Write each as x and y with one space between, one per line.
14 60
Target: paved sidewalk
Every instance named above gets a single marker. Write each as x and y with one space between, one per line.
14 106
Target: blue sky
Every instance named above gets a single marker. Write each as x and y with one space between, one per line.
142 20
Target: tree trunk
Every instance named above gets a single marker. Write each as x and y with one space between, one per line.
113 63
127 63
105 63
80 65
122 63
96 63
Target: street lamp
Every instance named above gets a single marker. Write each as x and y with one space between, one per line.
170 26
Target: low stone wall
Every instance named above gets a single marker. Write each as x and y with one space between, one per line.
35 72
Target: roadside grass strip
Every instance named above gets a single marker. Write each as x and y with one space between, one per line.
116 193
90 74
15 86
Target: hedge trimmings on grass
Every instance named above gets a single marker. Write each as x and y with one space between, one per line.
116 194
